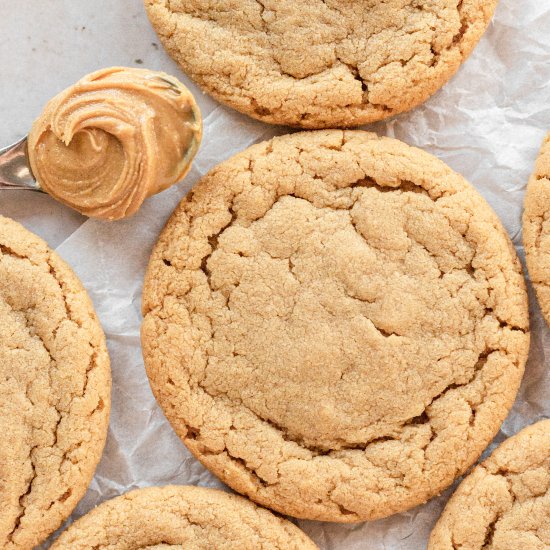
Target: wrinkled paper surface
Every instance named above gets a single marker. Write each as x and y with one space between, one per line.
487 124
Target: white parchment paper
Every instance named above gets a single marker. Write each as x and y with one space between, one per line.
487 124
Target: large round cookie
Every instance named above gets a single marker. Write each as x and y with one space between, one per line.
320 63
504 504
335 324
536 228
190 518
55 388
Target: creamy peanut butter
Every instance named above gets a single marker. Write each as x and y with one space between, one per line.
116 137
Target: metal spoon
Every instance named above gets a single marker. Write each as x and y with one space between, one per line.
15 170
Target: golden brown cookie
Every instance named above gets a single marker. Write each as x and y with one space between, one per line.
320 63
55 388
504 504
179 517
536 228
336 324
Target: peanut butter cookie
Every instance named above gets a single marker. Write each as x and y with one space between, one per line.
190 518
320 63
335 324
536 228
504 504
54 389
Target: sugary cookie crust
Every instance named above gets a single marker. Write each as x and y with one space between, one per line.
54 389
175 517
335 324
504 504
320 63
536 228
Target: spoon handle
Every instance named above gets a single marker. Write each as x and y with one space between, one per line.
15 172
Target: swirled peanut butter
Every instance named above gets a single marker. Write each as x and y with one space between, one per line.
113 139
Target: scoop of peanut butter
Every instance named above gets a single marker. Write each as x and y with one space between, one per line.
113 139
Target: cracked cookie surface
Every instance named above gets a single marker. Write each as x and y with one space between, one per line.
54 389
536 228
320 63
178 517
335 324
504 504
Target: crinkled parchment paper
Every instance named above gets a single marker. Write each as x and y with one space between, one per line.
487 124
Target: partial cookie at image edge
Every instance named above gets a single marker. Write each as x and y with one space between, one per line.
55 389
536 228
180 516
317 65
504 503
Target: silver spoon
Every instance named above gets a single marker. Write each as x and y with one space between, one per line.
15 170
